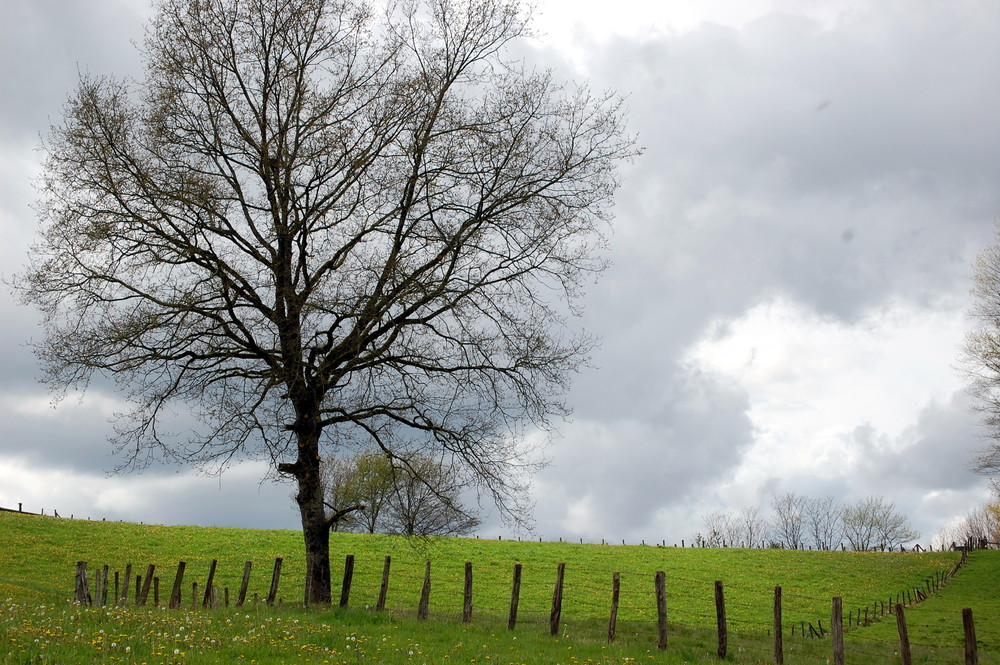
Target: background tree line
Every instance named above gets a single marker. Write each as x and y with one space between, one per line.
801 522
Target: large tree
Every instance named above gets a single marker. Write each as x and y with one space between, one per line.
312 223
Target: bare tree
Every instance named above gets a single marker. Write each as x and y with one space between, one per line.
722 529
420 496
753 526
788 525
425 500
981 356
872 524
824 521
311 225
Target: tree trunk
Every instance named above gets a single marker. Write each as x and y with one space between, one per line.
315 524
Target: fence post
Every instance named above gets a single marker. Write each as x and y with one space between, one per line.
345 587
425 592
275 577
467 594
82 587
904 637
104 585
244 584
660 579
146 583
837 630
209 588
383 590
613 621
971 652
515 597
125 582
720 618
138 587
175 594
779 649
557 594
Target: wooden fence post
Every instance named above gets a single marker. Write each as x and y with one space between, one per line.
138 587
425 593
557 595
242 598
209 588
175 594
82 587
275 577
125 582
467 594
144 596
837 630
615 593
720 619
515 597
661 609
779 649
345 588
904 637
383 590
156 592
971 650
104 585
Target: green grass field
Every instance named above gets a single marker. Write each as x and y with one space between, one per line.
38 624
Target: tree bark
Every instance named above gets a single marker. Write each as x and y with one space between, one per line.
315 524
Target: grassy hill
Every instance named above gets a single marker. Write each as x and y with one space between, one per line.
38 557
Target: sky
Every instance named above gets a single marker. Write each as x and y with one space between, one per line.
791 261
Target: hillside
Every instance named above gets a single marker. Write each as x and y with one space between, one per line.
38 560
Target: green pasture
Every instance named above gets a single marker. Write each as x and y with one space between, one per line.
39 624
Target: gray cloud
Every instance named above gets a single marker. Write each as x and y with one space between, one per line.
843 165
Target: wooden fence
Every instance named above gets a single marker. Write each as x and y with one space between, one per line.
97 593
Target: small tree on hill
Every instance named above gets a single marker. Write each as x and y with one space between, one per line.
872 524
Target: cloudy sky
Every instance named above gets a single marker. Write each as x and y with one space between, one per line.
791 266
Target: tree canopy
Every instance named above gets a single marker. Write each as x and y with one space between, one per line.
314 223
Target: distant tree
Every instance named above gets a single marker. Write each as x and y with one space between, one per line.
425 500
420 496
824 522
358 480
980 523
721 529
872 524
788 523
752 526
313 222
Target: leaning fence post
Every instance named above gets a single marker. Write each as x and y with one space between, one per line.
971 652
720 618
244 584
661 609
615 593
837 630
144 596
125 582
904 637
175 594
425 592
557 595
515 597
275 576
345 587
209 588
383 590
779 649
